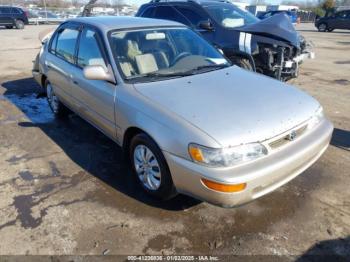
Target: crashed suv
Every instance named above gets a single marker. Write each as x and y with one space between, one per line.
271 46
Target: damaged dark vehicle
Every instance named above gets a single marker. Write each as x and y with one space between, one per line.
271 46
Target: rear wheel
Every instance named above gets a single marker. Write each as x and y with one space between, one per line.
150 167
322 27
55 104
19 24
9 26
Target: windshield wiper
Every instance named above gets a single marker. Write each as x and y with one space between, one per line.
202 67
179 73
214 66
156 74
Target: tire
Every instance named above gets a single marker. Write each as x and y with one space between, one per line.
59 109
243 63
150 168
9 26
322 27
330 29
19 24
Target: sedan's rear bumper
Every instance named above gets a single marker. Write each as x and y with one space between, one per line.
261 176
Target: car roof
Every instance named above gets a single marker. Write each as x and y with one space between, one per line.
10 6
107 23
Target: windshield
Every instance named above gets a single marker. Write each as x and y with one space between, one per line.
230 16
152 54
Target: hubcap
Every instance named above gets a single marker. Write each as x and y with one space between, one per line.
322 27
52 98
147 167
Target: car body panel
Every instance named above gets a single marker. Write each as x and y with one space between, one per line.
279 26
262 176
237 120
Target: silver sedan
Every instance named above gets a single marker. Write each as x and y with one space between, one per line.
189 121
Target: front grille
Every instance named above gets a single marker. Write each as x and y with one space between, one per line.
286 139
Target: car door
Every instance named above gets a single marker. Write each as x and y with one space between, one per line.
60 62
347 20
339 22
95 98
5 16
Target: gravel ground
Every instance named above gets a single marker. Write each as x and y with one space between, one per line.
64 188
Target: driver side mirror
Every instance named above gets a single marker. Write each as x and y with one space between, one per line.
206 25
98 72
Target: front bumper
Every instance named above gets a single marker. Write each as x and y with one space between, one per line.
262 176
296 61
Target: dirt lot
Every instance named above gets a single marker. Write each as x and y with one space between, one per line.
64 188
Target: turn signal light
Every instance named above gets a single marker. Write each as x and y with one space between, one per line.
224 187
196 154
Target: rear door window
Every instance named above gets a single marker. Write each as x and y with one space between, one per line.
66 43
193 17
15 11
5 10
341 14
170 13
149 12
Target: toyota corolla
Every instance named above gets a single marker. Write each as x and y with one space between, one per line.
189 121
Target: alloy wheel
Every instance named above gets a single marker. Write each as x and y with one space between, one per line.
322 27
52 99
147 167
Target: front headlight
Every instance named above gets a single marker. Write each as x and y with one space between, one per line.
225 157
316 118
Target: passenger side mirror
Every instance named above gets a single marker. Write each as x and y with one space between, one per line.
98 72
206 25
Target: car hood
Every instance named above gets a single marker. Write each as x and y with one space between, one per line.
232 105
278 25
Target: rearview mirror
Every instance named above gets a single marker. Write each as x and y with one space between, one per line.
206 25
98 72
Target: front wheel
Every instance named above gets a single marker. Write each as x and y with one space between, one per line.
322 27
150 167
55 104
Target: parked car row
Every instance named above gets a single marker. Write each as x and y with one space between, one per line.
188 120
292 15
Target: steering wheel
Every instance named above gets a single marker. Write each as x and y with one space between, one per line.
180 56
